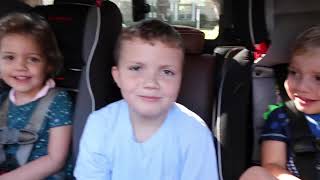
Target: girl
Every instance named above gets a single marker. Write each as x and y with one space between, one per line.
29 59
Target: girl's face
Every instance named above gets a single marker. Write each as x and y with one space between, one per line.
22 64
303 81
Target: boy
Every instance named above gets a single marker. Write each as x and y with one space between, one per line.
147 136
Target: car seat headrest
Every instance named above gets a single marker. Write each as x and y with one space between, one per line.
285 20
193 39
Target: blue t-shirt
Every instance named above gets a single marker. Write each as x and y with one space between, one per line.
59 114
277 128
181 149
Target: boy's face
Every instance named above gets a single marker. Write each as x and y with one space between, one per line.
22 64
149 77
303 81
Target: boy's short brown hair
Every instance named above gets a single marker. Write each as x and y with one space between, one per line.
149 31
37 28
307 41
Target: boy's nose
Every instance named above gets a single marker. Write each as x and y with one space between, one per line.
303 84
151 81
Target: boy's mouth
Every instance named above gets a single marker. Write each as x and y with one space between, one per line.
150 98
304 101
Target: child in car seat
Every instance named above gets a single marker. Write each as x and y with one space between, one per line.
35 130
147 135
303 88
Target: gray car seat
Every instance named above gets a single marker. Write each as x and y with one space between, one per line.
86 34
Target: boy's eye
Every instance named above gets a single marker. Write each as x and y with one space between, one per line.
8 57
168 72
33 59
317 78
291 72
135 68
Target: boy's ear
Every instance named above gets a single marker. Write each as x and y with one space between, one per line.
115 74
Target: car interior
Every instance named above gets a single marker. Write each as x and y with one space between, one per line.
224 81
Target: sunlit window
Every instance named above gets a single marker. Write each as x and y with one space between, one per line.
125 7
201 14
47 2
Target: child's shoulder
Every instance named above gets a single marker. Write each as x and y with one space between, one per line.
61 98
187 118
62 94
106 118
275 111
110 111
189 128
111 108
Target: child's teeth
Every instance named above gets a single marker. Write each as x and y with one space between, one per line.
21 77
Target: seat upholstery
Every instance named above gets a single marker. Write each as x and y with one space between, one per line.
197 89
86 35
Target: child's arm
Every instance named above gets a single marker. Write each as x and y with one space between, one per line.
58 148
92 162
201 161
274 159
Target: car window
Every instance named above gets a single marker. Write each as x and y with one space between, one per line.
201 14
47 2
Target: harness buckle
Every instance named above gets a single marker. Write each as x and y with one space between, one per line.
16 136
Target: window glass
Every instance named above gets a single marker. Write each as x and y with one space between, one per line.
125 7
201 14
47 2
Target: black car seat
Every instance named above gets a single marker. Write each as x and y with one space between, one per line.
232 122
197 90
209 80
285 20
9 6
86 34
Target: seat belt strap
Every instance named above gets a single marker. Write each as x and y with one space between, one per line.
35 123
303 144
3 123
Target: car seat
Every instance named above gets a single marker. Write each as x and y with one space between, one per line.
232 122
210 79
197 90
86 34
9 6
